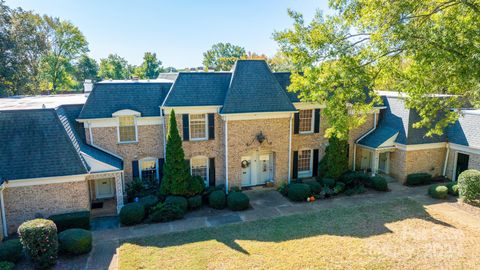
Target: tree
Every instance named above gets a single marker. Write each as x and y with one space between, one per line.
222 56
176 177
335 161
86 68
280 62
253 56
67 43
114 67
150 68
416 47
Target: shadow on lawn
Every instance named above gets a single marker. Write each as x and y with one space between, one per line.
361 222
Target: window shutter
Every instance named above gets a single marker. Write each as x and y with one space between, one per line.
295 165
211 126
186 130
135 171
315 162
316 126
296 123
211 172
187 161
161 161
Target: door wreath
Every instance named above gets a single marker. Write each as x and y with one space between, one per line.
245 163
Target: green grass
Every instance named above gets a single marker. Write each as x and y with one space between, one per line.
400 234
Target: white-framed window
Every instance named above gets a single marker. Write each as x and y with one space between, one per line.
127 129
148 169
198 127
306 121
199 167
305 160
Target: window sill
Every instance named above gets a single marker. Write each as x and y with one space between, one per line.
199 140
132 142
306 132
305 174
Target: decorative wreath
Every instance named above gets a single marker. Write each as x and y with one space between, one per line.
245 163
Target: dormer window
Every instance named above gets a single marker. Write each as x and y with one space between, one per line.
127 130
306 121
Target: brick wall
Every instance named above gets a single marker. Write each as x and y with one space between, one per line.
473 162
397 165
357 133
430 161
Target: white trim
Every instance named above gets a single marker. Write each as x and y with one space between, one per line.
424 146
148 159
126 112
308 173
454 175
163 134
308 105
190 128
45 180
4 218
112 122
467 149
446 161
226 155
255 116
207 161
192 109
312 122
290 149
118 132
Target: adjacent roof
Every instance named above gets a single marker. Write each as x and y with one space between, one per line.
466 131
40 102
254 88
107 98
379 137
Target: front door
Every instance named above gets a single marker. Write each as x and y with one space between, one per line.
265 169
104 188
246 171
383 162
257 169
462 164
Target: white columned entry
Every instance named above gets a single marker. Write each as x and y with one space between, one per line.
119 191
375 162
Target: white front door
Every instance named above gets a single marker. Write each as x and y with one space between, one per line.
246 171
104 188
259 169
265 169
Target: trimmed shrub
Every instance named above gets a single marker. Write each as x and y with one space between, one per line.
11 250
353 179
235 189
315 187
327 182
469 186
206 193
75 241
379 183
452 188
71 220
164 212
132 213
238 201
5 265
194 202
283 189
417 179
39 238
179 201
217 199
299 192
438 191
148 202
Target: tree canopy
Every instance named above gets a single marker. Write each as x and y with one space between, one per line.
420 48
114 67
222 56
150 68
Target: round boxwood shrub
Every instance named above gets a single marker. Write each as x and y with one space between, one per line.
75 241
237 201
217 199
299 192
132 213
328 182
469 186
452 188
11 250
148 202
438 191
164 212
315 187
179 201
417 179
6 265
71 220
379 183
39 238
194 202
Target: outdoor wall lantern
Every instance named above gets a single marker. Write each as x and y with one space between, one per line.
260 138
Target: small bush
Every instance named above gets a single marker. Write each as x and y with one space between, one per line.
206 193
327 182
339 188
164 212
238 201
315 187
283 189
299 192
350 192
6 265
452 188
354 179
438 191
179 201
11 250
196 186
39 238
379 183
148 202
469 186
417 179
75 241
71 220
132 213
217 199
194 202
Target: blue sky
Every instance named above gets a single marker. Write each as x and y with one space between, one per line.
178 31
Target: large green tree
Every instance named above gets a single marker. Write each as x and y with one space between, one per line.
416 47
222 56
85 68
114 67
150 68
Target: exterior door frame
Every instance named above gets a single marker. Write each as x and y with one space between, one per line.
454 176
111 186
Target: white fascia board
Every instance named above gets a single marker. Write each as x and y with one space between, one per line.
191 109
463 148
126 112
255 116
424 146
113 122
308 105
45 180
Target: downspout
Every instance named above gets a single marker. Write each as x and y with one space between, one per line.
164 135
363 136
226 155
290 149
4 219
446 160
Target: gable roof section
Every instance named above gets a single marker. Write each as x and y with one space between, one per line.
107 98
466 130
34 144
379 137
199 89
254 88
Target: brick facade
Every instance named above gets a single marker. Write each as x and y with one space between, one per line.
473 162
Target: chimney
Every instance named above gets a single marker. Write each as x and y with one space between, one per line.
87 86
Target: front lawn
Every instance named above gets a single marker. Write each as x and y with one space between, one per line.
401 235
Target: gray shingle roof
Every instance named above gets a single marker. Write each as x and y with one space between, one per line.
254 88
283 79
378 137
199 89
33 144
107 98
466 130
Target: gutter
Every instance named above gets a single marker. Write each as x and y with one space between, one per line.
4 219
164 135
290 149
226 155
363 136
446 160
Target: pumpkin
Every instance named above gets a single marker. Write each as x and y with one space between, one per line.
312 199
308 199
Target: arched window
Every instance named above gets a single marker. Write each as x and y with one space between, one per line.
199 167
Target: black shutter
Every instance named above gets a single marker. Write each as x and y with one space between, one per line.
135 172
160 169
296 123
315 162
316 126
211 172
295 165
188 163
186 130
211 126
